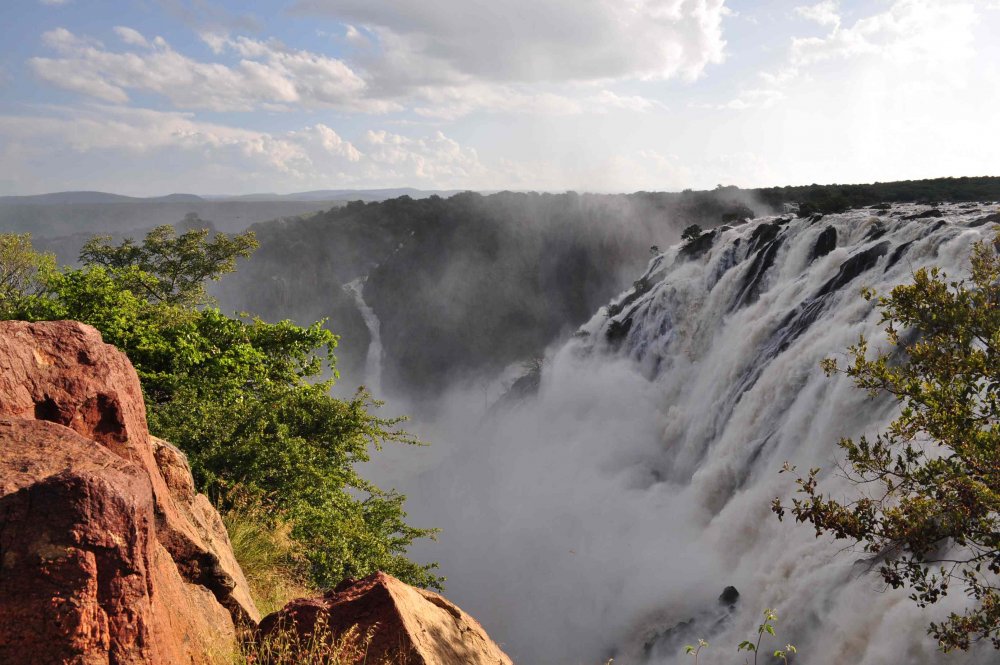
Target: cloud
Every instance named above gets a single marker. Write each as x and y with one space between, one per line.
204 15
131 37
528 41
824 13
354 36
914 44
925 32
250 74
54 3
268 75
431 159
89 147
451 102
607 100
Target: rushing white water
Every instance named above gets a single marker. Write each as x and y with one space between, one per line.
594 520
373 360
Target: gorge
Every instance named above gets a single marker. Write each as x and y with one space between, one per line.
604 516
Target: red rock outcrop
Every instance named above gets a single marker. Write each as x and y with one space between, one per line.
408 626
107 554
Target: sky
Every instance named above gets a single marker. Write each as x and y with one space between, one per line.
149 97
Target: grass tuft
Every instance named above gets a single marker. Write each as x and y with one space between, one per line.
271 560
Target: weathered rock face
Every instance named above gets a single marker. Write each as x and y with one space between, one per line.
408 626
107 554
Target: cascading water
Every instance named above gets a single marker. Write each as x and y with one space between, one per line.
605 517
373 359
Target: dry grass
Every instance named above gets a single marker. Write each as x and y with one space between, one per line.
286 646
271 561
276 572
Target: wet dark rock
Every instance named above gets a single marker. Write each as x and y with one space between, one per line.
525 387
875 232
854 266
937 227
699 246
763 234
798 320
988 219
754 277
897 254
881 206
926 214
825 243
639 288
618 330
729 597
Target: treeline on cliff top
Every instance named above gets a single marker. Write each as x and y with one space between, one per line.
462 286
837 198
244 399
468 285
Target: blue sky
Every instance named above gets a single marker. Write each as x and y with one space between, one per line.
148 97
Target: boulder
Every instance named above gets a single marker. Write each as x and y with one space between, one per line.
107 554
926 214
407 625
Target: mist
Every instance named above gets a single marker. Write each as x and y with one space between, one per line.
596 518
463 287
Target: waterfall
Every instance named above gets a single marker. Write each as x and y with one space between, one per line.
604 517
373 360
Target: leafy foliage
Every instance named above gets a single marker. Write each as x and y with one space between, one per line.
169 268
23 272
690 233
931 514
751 646
244 399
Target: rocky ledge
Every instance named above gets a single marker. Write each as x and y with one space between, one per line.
109 556
397 623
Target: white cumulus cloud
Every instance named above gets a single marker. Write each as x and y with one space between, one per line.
824 13
269 75
527 40
90 146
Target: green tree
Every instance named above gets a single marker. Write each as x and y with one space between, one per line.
930 506
167 267
692 232
23 271
246 401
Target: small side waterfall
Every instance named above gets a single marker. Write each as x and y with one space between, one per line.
373 360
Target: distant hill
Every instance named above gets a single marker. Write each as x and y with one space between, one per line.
343 195
133 216
78 198
90 198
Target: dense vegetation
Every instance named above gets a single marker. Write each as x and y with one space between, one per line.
929 504
240 396
838 198
466 285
